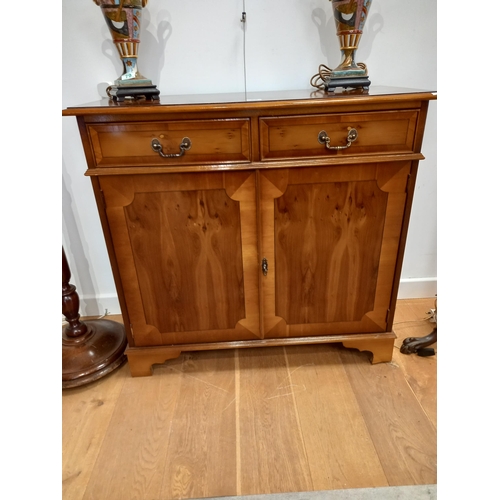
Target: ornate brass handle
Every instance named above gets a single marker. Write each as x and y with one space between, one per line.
324 139
184 146
264 266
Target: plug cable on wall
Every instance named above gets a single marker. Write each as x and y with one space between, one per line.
244 21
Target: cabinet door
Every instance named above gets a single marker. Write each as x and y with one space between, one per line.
186 250
331 237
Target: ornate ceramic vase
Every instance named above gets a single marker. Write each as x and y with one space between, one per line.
350 17
123 18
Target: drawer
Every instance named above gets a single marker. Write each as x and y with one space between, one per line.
130 144
297 136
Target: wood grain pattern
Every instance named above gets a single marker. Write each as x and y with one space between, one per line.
270 420
219 141
339 448
317 278
186 248
297 136
241 186
233 167
381 350
133 453
142 360
412 320
327 261
379 98
87 412
201 453
181 241
267 414
408 453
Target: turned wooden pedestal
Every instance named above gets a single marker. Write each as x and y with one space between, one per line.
90 349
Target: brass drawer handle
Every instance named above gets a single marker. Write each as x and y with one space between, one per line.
184 146
324 139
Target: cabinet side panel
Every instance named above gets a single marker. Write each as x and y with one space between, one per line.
328 244
181 242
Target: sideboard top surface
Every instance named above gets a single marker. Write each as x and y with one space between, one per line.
257 100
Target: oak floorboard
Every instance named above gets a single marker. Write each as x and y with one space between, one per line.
403 436
340 451
411 320
273 458
132 458
256 421
87 412
201 453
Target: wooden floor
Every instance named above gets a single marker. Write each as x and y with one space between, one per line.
254 421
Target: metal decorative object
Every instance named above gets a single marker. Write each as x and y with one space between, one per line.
123 18
350 17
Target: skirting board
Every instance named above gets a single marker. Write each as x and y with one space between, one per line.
417 288
99 305
409 288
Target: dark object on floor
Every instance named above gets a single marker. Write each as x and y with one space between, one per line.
426 351
414 344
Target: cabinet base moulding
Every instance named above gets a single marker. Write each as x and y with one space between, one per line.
142 359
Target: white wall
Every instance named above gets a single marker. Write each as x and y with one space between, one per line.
197 46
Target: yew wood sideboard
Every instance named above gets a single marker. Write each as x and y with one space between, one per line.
258 219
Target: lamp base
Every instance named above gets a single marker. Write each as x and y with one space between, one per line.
351 82
120 93
93 355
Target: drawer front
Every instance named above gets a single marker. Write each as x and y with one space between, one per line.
130 144
297 136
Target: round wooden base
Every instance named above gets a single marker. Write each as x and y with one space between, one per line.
94 354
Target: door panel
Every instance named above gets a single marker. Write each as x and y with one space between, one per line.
185 279
187 259
331 236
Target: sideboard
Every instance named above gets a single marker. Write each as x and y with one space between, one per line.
258 219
